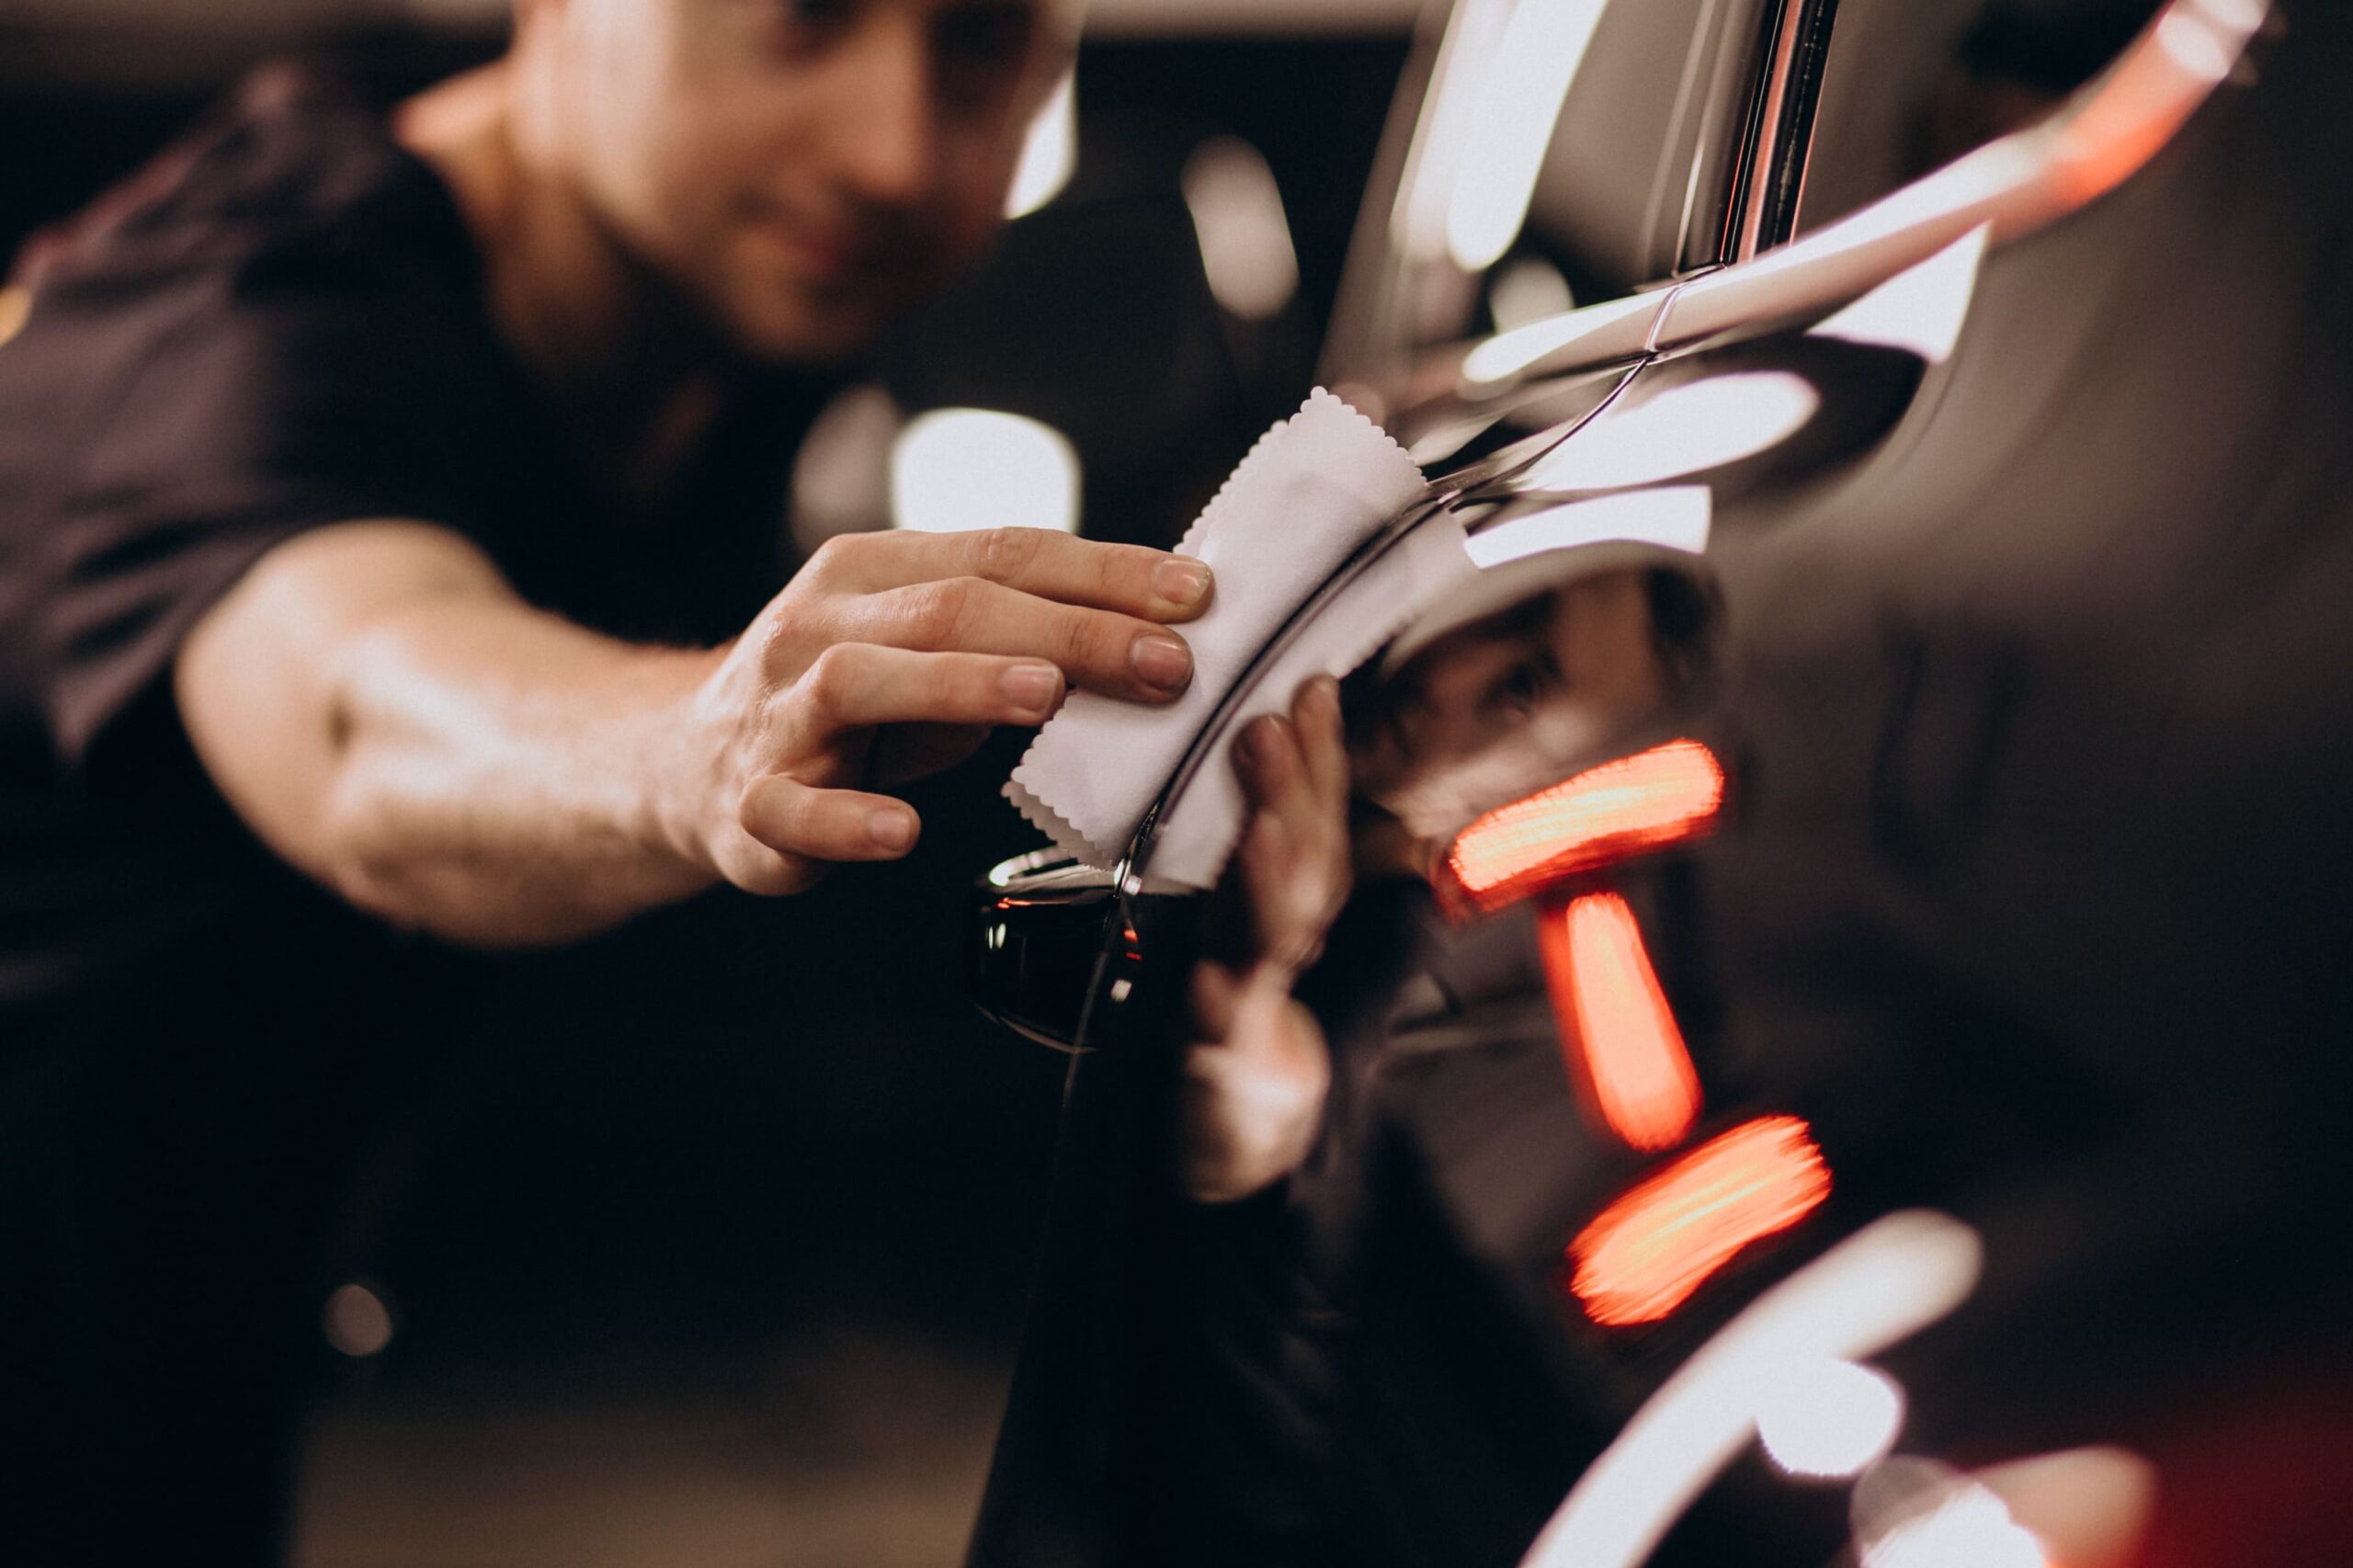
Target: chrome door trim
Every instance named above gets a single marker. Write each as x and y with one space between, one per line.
2105 133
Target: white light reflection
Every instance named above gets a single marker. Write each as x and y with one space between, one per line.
956 468
356 1322
2193 42
1238 219
1831 1419
1508 354
1521 96
2088 1507
1049 152
841 480
1674 518
1916 1514
1684 430
1530 290
2240 16
1878 1287
1418 224
1921 309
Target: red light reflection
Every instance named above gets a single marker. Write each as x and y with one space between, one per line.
1616 1024
1652 1248
1604 814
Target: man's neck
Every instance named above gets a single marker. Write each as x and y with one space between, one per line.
638 379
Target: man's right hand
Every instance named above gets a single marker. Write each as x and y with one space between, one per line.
387 714
890 655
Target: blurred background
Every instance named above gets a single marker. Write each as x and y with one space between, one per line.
748 1293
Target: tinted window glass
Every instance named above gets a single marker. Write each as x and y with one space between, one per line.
1566 151
1911 85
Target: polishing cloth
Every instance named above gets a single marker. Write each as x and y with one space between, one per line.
1310 492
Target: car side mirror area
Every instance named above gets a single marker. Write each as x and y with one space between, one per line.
1047 938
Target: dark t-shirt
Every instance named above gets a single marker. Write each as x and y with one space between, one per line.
278 325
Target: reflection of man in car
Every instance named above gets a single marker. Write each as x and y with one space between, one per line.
1475 714
1460 715
391 542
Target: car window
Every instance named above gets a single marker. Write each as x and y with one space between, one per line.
1547 154
1908 85
1636 168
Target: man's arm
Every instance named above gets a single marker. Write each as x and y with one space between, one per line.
386 713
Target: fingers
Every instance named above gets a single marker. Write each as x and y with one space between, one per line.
1252 1104
858 686
918 751
1044 562
1293 858
1302 766
1315 714
800 821
1114 654
1216 991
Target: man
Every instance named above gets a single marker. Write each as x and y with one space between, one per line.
390 530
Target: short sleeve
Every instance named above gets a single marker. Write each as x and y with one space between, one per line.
187 425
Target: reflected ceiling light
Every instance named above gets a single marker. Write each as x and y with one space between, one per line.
356 1322
1238 219
1520 99
1418 224
1921 309
1653 798
2195 42
1049 150
1683 430
1624 1046
1530 290
956 468
2238 17
1970 1528
1500 358
841 479
1878 1287
1646 1253
1830 1418
1675 517
2090 1507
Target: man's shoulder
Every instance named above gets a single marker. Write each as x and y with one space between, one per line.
298 162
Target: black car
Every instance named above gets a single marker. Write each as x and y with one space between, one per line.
1835 1046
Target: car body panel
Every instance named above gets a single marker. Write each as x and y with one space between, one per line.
2014 655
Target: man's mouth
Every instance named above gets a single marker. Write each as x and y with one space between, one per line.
824 252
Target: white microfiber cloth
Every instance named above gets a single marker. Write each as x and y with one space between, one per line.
1312 489
1204 822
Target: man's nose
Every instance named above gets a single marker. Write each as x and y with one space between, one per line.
885 143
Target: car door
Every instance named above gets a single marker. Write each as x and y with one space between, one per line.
1399 1355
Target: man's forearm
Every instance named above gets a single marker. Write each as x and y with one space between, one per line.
501 776
387 715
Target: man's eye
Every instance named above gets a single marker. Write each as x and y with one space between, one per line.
799 23
980 47
1518 692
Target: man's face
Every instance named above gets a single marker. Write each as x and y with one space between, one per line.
801 169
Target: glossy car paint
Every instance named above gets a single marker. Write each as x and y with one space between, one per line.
2025 675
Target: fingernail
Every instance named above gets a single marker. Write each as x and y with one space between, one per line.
1180 581
1258 739
891 830
1031 688
1163 660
